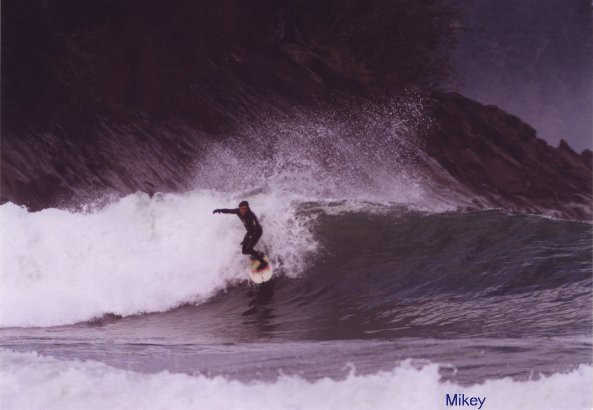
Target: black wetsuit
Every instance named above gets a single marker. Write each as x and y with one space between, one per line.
254 231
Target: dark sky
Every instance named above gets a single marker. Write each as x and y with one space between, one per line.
534 59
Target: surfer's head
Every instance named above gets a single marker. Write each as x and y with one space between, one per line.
243 207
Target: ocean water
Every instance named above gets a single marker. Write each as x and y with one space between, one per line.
388 293
145 303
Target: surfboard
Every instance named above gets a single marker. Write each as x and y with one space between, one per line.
262 275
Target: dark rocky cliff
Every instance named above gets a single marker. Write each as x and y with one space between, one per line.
123 96
500 158
533 58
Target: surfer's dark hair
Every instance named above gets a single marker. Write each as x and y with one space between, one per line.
243 203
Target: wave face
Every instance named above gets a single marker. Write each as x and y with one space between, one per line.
375 270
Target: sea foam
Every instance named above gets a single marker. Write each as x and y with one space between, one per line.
32 381
138 254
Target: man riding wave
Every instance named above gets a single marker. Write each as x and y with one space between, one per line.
254 231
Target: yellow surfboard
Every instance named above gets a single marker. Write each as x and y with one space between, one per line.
260 276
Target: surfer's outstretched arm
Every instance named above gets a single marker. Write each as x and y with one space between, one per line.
226 211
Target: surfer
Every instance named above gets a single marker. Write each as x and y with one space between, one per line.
254 231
